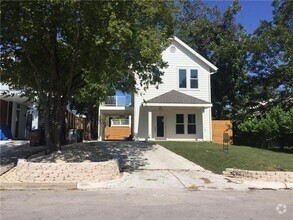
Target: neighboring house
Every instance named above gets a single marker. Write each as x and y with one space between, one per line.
15 122
179 109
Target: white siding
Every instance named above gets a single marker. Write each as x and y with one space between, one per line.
170 124
22 132
181 58
207 124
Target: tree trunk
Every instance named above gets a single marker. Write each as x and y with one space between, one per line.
59 123
48 130
54 120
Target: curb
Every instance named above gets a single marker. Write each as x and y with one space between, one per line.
40 186
6 168
92 185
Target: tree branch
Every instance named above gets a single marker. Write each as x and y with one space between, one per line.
35 70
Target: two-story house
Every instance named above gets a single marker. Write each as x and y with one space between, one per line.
179 109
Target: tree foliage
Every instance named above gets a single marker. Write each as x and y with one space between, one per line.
53 49
271 60
275 125
222 40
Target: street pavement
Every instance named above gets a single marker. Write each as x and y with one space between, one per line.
146 204
11 150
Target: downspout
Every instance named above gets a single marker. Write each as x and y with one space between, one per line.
210 114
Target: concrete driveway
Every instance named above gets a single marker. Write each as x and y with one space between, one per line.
135 156
151 166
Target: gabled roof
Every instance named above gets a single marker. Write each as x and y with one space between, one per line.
175 97
213 68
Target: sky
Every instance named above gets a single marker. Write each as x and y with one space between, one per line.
251 13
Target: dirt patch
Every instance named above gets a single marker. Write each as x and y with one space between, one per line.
149 179
206 180
212 187
228 188
193 188
73 153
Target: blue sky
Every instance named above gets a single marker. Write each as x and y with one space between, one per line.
251 13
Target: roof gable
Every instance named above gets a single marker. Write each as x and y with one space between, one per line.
176 97
212 67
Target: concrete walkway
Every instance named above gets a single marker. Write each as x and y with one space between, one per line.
144 166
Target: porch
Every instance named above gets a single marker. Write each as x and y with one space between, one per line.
115 118
174 123
175 116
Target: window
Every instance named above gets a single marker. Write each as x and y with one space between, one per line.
182 78
191 128
188 78
193 79
179 124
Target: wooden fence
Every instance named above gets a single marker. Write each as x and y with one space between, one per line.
219 127
74 122
117 133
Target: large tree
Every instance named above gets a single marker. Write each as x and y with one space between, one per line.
271 60
217 36
52 49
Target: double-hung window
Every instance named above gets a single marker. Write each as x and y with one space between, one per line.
193 79
179 123
191 126
188 78
182 78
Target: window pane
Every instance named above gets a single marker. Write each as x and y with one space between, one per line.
191 129
191 118
182 78
179 118
193 83
179 129
193 74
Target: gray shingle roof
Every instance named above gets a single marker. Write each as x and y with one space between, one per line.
176 98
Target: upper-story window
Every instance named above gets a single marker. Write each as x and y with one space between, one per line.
182 78
193 79
188 78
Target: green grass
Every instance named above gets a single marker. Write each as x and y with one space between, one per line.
212 157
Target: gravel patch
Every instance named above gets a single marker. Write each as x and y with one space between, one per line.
73 153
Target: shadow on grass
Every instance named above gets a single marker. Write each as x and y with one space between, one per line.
287 150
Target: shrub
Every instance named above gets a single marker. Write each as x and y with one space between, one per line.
276 126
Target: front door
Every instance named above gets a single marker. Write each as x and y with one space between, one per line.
160 126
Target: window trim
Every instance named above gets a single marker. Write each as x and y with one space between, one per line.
188 77
193 79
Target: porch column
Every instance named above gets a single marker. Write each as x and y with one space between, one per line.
204 129
150 117
129 121
99 126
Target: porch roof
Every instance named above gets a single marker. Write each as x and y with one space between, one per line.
175 98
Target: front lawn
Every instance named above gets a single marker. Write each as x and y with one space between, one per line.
212 157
